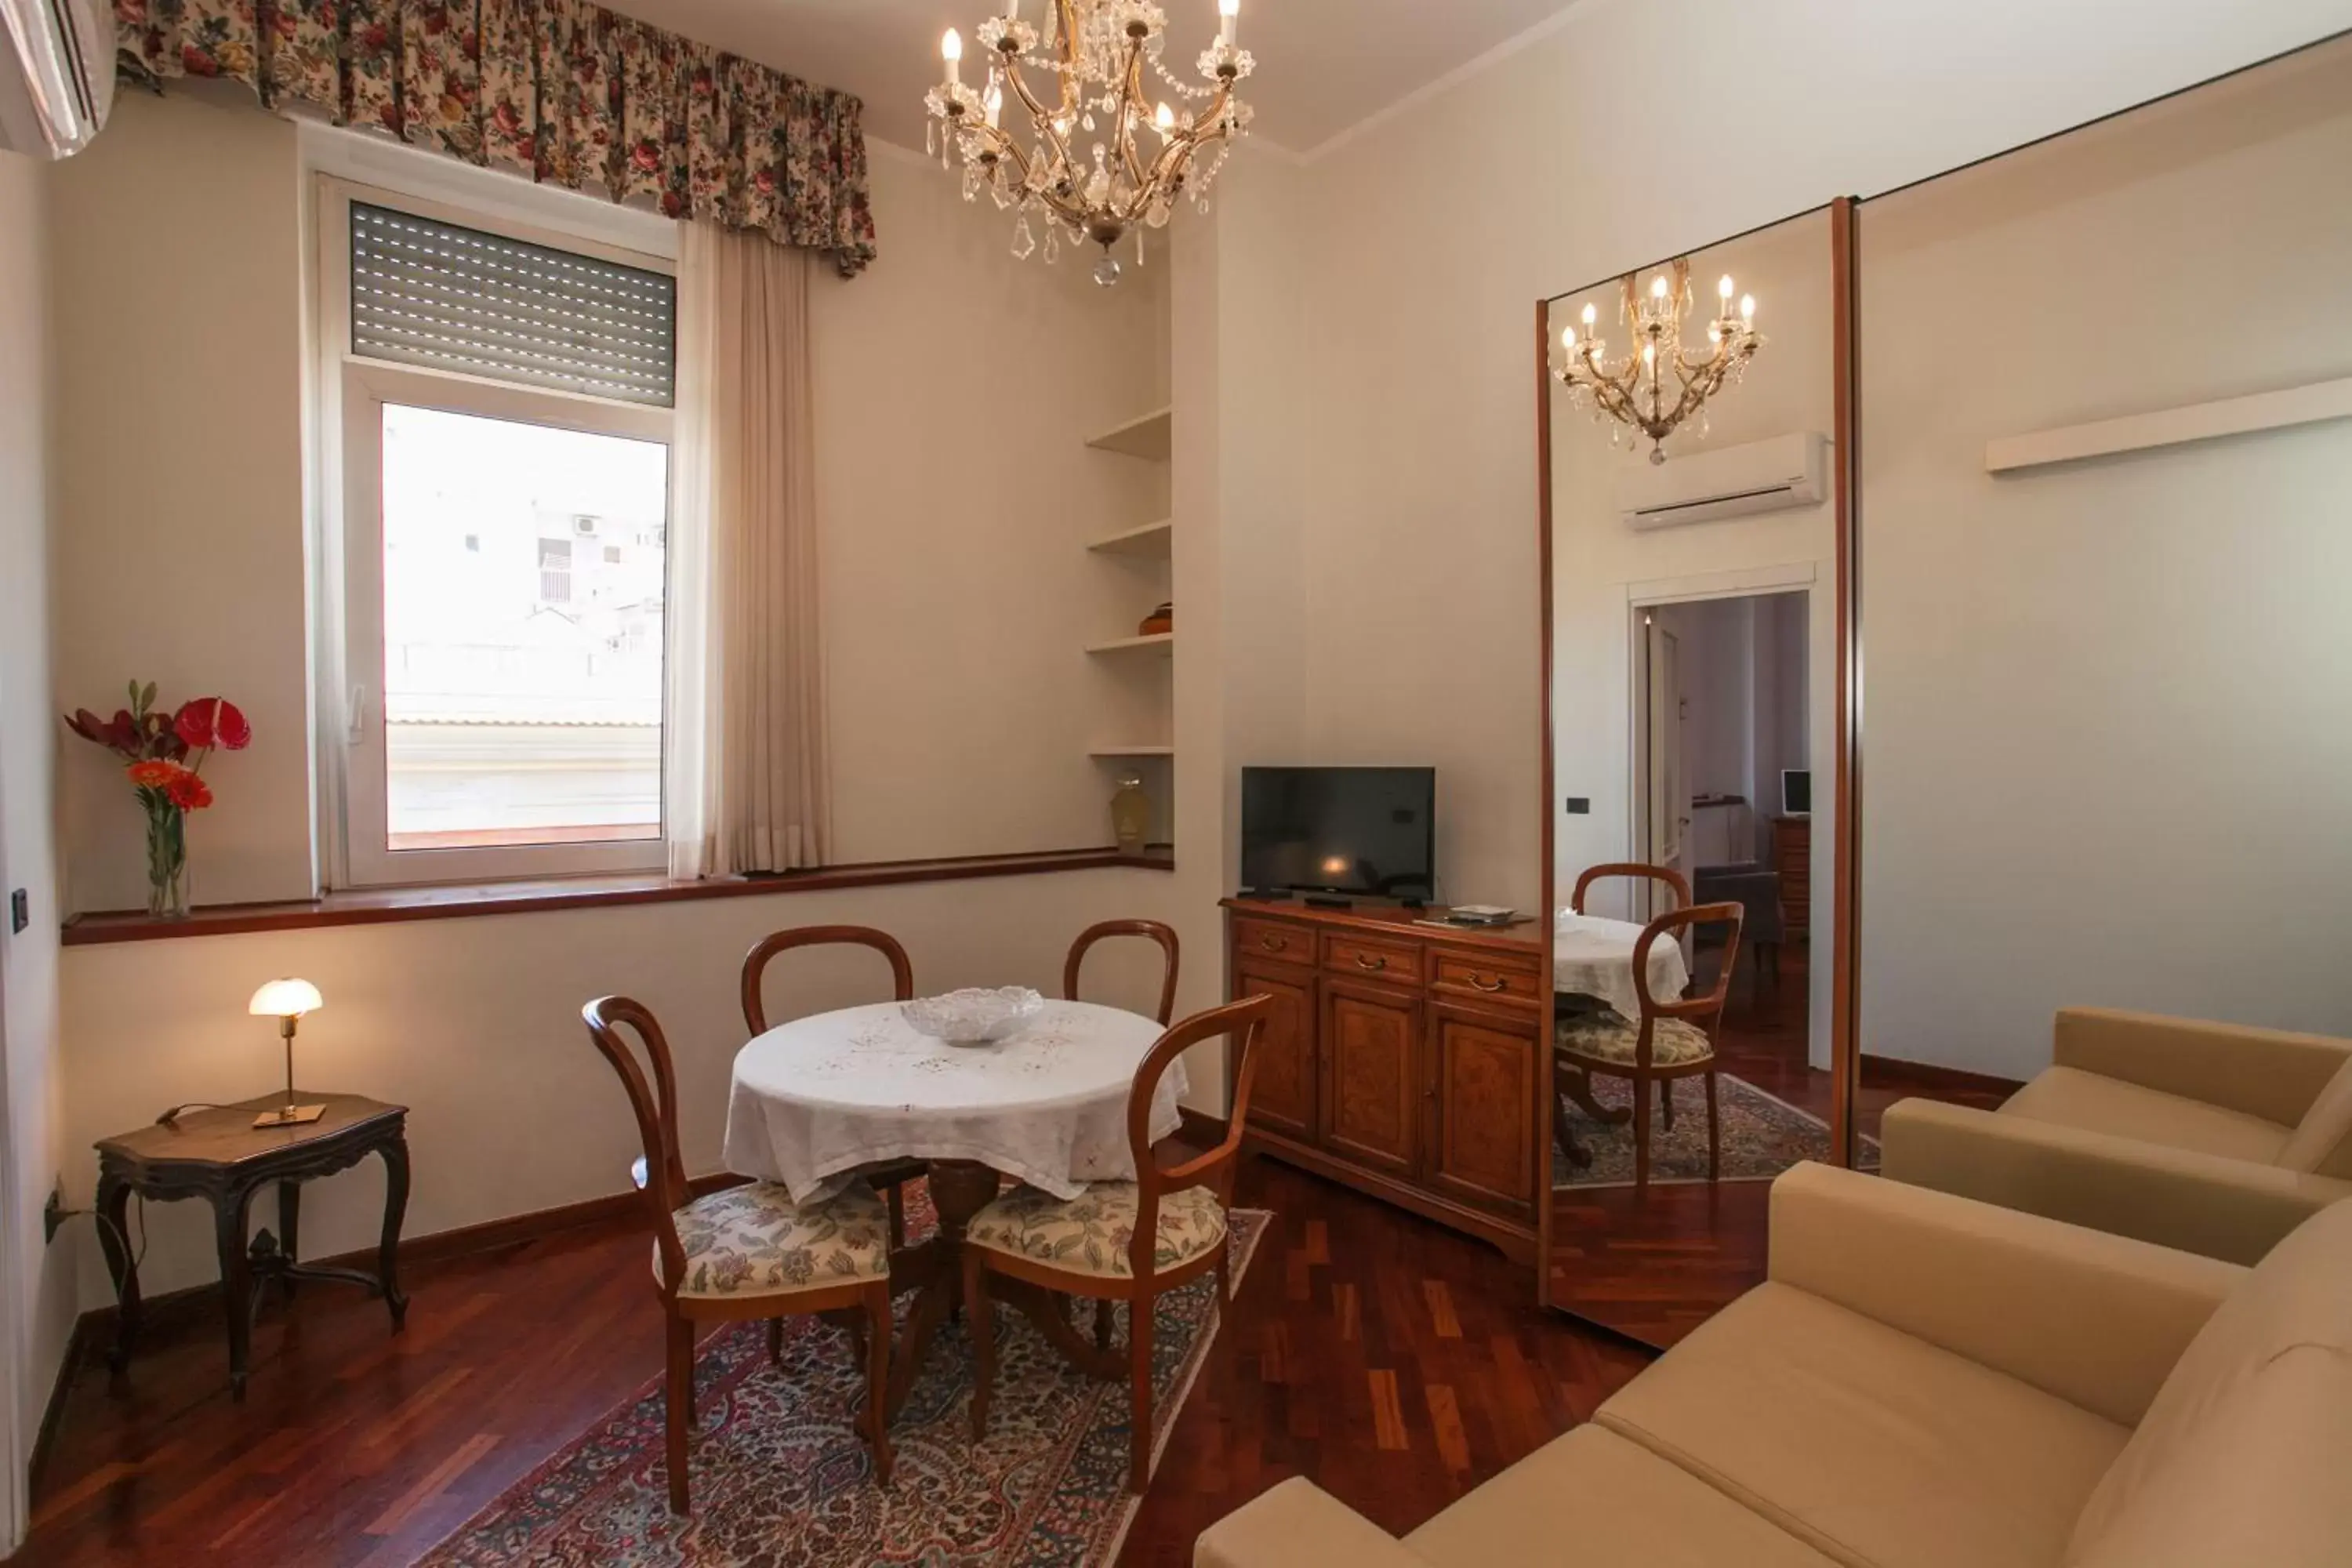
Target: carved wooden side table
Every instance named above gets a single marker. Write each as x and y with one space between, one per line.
218 1154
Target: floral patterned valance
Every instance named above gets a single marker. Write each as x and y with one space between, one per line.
564 90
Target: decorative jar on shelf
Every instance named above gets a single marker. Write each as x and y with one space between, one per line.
1130 812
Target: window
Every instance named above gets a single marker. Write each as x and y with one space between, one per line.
504 429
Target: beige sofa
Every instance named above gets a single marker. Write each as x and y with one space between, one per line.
1924 1382
2208 1137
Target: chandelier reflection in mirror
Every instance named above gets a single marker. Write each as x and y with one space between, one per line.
1659 384
1095 158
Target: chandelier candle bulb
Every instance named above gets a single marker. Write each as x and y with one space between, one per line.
1748 308
951 51
1229 15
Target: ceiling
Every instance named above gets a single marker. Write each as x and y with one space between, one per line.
1323 65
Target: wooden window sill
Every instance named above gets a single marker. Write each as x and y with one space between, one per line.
376 906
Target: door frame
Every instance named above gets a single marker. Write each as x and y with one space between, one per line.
1846 944
1744 583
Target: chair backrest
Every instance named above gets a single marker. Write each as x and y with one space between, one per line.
1675 883
1669 927
2241 1456
1164 935
2322 1145
755 963
1241 1023
661 1174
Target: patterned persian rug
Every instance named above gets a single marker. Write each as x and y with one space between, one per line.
781 1479
1762 1136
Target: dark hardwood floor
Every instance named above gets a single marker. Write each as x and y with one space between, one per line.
1655 1267
1396 1363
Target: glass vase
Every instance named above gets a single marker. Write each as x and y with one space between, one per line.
167 862
1130 814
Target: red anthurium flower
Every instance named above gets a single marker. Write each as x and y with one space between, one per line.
188 792
213 721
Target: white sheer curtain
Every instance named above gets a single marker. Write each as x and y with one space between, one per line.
745 789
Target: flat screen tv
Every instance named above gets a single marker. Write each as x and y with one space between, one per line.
1368 831
1796 792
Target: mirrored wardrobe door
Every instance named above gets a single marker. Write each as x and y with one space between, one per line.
1692 459
2107 390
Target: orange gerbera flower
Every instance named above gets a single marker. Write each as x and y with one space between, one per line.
188 792
156 775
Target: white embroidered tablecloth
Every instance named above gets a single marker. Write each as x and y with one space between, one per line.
1593 956
818 1096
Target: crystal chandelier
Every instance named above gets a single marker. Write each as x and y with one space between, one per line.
1658 385
1096 59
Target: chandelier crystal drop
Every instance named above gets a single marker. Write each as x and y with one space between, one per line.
1092 156
1658 385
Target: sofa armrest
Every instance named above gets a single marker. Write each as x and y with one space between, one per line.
2094 1319
1299 1525
2234 1210
2268 1073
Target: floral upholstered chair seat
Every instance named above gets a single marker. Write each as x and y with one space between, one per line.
1607 1037
755 1241
1089 1234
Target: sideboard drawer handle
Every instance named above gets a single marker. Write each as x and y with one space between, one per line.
1363 962
1482 986
1272 943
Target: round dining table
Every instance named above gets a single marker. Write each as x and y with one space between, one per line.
819 1099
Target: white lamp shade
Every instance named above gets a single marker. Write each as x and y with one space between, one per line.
285 998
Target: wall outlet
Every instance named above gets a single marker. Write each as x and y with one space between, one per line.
53 1214
1579 805
20 910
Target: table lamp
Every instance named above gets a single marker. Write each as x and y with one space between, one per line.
287 1000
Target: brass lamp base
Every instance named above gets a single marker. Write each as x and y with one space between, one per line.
290 1116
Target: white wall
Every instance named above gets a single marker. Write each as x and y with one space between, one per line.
1428 236
38 1313
179 539
2106 752
957 387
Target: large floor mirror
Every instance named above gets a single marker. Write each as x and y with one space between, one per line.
1690 412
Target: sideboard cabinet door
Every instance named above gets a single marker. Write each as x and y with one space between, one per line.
1483 1133
1282 1095
1371 1075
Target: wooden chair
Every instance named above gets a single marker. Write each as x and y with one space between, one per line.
736 1254
1164 935
1672 1039
888 1177
1675 882
1174 1221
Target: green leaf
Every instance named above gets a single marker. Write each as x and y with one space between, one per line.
147 698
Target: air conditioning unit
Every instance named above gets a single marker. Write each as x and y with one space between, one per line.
1777 475
57 74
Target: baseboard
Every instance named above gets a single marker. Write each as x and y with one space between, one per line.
1935 1077
95 1328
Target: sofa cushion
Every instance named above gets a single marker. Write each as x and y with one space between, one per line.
2223 1428
2096 1103
1877 1448
2321 1143
1593 1497
2262 1481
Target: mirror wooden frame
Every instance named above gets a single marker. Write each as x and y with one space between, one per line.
1845 1059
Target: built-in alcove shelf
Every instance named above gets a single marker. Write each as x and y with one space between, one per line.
1114 752
1165 642
1147 436
2172 427
1152 540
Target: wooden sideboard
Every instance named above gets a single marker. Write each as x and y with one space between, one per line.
1792 857
1401 1059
